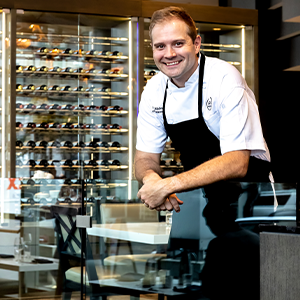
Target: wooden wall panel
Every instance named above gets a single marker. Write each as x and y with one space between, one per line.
138 8
100 7
201 13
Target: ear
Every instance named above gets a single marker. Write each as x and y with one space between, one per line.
197 43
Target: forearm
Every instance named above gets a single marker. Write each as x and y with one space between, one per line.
156 191
146 165
228 166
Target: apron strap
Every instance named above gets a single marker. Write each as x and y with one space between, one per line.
164 105
200 84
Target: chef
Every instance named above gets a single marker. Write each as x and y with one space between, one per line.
206 108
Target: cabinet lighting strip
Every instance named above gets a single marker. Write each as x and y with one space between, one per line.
213 50
3 92
234 46
81 42
243 53
130 116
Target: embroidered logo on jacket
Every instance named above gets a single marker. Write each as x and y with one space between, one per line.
209 103
157 110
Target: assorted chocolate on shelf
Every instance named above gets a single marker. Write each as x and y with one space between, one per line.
68 144
31 88
42 69
43 106
69 108
69 126
150 73
71 163
77 52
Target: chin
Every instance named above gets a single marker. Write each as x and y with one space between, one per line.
172 75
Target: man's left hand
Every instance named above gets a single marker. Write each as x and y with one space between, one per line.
153 193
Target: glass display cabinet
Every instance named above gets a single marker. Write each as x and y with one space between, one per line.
67 130
73 99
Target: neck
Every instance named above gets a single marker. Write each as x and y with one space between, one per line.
177 83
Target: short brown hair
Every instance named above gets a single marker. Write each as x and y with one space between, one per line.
170 12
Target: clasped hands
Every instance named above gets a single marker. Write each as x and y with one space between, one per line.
155 194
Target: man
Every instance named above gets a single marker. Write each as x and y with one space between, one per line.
198 100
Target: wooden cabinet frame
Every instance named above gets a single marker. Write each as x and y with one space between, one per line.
130 8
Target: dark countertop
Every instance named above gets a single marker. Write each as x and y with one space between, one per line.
279 229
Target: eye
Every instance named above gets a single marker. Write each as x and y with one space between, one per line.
178 44
159 47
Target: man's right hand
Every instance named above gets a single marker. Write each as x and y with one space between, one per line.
148 172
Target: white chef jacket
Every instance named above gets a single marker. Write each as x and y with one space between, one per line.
229 110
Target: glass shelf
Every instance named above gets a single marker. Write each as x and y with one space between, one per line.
74 149
32 35
73 113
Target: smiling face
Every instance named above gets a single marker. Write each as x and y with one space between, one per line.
174 52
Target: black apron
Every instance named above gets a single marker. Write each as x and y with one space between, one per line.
197 144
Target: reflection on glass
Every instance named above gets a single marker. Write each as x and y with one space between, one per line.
129 246
18 248
232 257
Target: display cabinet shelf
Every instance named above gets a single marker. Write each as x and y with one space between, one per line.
86 167
83 56
90 113
169 149
82 75
75 131
171 167
31 203
71 150
44 93
96 185
63 99
61 37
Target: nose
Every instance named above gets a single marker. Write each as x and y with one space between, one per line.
170 52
